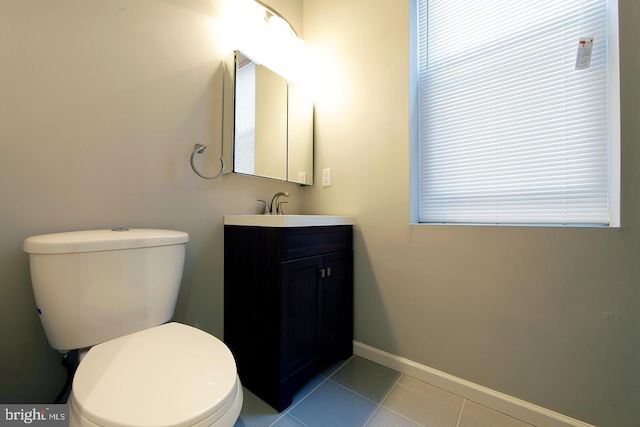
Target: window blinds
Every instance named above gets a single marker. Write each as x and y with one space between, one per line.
245 119
510 131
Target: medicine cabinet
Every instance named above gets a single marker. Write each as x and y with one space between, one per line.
267 124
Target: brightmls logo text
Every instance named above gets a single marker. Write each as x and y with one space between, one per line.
37 415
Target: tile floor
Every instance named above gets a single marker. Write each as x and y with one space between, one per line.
358 393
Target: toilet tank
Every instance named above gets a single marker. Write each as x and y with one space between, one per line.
93 286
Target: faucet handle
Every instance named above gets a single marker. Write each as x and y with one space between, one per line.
265 211
279 210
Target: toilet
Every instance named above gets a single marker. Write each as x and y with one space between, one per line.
110 294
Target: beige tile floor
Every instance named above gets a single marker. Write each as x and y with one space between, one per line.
359 393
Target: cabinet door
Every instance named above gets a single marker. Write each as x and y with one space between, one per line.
300 293
337 302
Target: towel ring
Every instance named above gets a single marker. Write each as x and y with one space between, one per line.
197 149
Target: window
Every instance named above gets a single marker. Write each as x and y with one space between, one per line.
512 129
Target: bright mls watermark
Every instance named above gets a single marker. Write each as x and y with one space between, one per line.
34 415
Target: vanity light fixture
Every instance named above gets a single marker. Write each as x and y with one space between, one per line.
267 37
275 19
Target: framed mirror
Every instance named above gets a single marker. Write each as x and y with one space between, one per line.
268 123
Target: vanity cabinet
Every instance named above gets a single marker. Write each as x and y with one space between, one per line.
288 304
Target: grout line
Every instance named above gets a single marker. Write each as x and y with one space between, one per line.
325 379
391 389
412 421
365 397
341 366
354 392
389 392
375 411
298 420
278 419
391 410
288 410
461 409
379 405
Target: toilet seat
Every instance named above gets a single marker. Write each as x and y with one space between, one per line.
169 375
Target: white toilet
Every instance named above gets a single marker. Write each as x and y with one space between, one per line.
111 292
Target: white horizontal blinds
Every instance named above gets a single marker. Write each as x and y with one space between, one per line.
245 119
510 131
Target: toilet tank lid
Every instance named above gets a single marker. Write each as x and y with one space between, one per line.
102 240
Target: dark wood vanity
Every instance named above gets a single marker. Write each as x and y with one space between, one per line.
288 304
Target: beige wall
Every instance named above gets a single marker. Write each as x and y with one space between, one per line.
548 315
101 103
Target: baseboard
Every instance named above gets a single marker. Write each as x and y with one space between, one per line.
501 402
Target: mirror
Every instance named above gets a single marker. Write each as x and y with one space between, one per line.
268 123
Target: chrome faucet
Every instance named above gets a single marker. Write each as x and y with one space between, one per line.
275 208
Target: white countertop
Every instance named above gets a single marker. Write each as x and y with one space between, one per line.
288 220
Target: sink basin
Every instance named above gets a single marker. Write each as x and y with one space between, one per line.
288 220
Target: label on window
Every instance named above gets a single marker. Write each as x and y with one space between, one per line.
583 59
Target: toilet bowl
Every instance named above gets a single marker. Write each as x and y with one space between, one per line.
170 375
